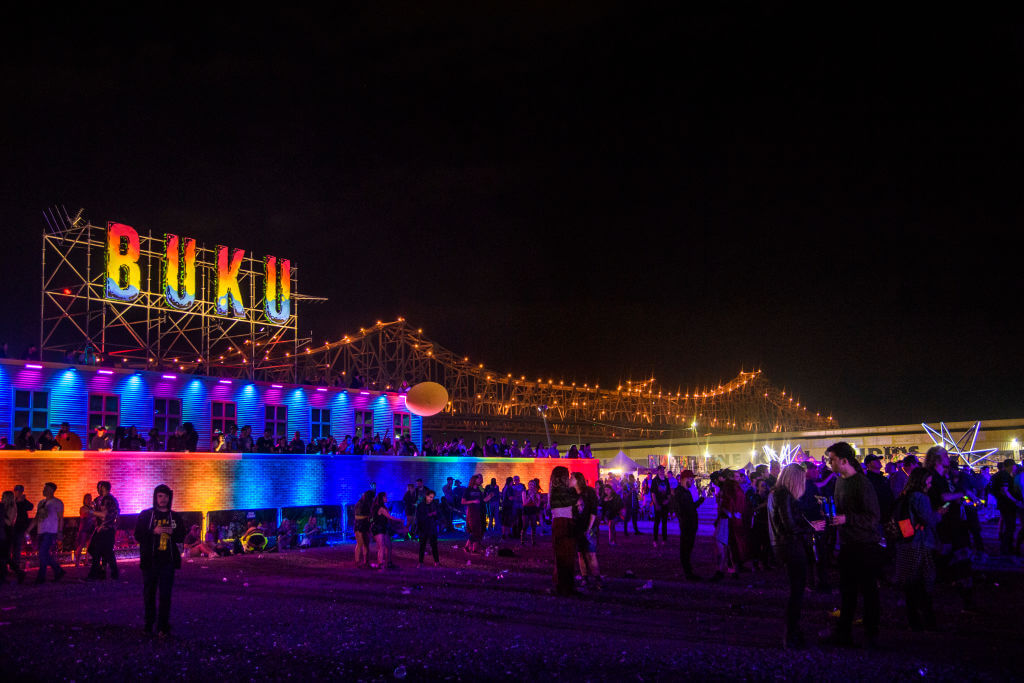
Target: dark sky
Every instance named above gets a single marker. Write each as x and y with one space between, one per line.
589 192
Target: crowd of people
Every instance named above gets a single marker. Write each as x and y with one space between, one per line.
911 524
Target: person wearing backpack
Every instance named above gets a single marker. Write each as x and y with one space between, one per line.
915 554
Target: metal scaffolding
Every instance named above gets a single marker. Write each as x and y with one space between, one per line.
483 401
77 318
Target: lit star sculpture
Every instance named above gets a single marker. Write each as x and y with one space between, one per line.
971 455
787 455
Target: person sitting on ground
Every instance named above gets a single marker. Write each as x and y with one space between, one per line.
194 545
313 536
254 539
285 535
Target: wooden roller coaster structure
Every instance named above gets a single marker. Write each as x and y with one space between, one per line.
484 401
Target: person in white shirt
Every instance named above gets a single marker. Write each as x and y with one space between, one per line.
49 524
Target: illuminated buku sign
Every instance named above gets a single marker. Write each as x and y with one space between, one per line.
178 281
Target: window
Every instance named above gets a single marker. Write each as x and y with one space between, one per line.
403 425
321 422
276 420
105 410
364 423
222 414
31 409
166 416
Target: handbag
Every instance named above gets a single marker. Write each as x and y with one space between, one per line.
899 530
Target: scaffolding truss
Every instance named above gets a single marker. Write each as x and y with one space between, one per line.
483 401
79 321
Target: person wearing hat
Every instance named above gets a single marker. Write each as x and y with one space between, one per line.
101 440
873 471
686 509
158 531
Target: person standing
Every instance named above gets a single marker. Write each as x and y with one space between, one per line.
1007 504
790 535
860 555
954 535
8 515
49 525
473 499
23 505
361 528
586 526
101 547
561 501
915 561
428 515
630 504
158 531
661 492
686 510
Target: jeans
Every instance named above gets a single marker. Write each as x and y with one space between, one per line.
661 517
101 548
432 540
794 556
159 576
631 513
687 536
46 558
1007 526
859 567
14 541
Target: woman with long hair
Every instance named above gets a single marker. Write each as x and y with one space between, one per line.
915 556
508 508
790 534
8 516
492 507
561 501
361 529
611 509
86 525
473 499
531 511
730 531
585 521
380 527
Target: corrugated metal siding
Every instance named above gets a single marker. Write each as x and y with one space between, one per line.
69 390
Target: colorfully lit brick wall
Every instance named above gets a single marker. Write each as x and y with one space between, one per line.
231 481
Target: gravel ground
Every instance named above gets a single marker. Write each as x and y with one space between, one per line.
311 615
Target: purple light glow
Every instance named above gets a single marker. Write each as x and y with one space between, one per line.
320 389
33 366
277 386
364 393
105 372
225 381
169 376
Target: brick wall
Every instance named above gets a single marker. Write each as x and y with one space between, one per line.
215 481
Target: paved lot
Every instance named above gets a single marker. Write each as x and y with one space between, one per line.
312 615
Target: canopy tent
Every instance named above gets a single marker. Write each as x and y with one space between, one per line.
622 462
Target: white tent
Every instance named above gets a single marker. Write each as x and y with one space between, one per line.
622 462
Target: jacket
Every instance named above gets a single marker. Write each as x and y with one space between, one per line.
786 524
148 541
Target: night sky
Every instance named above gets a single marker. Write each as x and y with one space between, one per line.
586 193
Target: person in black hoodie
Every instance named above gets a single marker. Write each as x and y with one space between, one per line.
158 531
686 509
427 518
